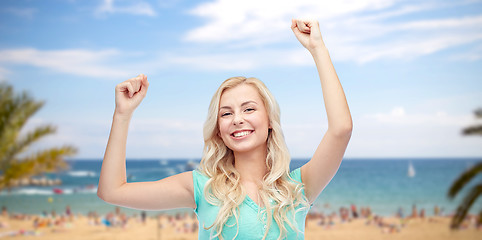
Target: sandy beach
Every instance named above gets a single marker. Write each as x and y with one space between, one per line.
122 227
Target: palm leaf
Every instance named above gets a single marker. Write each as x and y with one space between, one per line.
15 110
478 113
463 179
474 130
463 208
50 160
16 170
21 145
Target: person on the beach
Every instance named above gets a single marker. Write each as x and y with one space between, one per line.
243 187
4 211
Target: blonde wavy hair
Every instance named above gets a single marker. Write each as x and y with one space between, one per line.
224 188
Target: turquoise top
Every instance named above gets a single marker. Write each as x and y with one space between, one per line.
250 226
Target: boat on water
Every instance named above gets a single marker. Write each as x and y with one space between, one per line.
411 170
163 162
57 191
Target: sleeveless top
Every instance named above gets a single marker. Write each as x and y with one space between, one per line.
251 224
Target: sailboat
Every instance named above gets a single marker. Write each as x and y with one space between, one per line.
163 162
411 170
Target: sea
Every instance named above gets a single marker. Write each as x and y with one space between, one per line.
384 185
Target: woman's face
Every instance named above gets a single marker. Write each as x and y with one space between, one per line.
243 120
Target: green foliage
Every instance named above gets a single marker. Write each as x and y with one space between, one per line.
474 130
15 110
471 196
464 179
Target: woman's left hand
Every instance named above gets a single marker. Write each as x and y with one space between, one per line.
308 33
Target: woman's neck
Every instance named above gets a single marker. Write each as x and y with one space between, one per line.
251 165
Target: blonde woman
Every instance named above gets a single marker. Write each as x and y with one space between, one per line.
243 188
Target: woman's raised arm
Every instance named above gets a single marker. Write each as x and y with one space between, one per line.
172 192
319 171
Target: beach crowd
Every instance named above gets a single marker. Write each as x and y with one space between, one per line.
18 224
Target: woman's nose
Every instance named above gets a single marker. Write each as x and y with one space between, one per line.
238 119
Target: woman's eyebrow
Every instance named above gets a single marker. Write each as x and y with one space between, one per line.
248 102
243 104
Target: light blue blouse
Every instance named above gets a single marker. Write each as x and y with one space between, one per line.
250 225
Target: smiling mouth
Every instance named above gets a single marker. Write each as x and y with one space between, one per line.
241 134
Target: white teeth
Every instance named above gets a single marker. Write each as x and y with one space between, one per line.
240 134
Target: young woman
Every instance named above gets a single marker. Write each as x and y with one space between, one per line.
243 188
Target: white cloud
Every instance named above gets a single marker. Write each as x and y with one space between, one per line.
400 133
160 137
395 133
74 61
472 54
266 20
398 117
411 48
165 138
354 30
136 8
414 39
162 124
242 60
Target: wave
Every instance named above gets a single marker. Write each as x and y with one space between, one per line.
169 170
82 173
28 191
90 189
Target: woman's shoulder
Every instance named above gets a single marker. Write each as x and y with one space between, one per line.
199 178
199 182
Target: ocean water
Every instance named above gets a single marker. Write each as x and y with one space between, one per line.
381 184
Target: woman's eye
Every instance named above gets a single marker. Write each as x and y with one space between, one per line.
249 109
225 114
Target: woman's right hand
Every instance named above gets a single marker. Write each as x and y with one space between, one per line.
129 94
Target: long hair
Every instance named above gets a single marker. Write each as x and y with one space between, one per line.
223 189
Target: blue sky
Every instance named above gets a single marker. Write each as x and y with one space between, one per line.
410 70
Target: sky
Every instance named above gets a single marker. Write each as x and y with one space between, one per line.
411 70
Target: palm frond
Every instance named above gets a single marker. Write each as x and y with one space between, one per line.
17 147
478 113
463 179
50 160
16 170
473 130
463 208
15 110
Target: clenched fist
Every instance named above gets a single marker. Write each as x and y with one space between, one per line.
308 33
129 94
